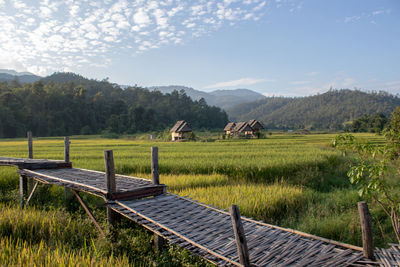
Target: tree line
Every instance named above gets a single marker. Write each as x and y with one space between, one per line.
375 123
67 104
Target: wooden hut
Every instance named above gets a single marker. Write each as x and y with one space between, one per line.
243 128
180 131
229 127
255 125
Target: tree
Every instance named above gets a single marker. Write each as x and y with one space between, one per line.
373 170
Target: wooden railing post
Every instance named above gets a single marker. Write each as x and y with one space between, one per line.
159 241
66 149
29 186
30 145
67 191
154 166
366 228
110 185
241 242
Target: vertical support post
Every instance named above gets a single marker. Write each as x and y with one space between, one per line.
67 191
366 228
154 166
30 155
159 241
110 186
30 145
23 189
66 149
241 242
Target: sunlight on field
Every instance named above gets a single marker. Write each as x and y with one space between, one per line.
291 180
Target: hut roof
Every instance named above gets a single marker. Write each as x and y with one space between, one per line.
181 126
242 127
255 124
229 126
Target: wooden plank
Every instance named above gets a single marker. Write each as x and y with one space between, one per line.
180 236
307 235
240 236
141 192
39 175
366 228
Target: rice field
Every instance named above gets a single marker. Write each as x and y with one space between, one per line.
290 180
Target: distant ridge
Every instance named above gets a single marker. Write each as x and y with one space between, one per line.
22 77
330 110
224 99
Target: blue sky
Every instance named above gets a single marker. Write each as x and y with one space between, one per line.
288 48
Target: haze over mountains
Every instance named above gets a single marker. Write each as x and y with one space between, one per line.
22 77
224 99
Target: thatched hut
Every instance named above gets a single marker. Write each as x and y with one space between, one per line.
255 125
243 128
229 127
180 131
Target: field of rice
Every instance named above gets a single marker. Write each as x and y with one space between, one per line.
296 181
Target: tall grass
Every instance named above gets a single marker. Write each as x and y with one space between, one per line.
290 180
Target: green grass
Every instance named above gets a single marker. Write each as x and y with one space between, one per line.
290 180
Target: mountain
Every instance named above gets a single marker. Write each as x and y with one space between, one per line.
330 110
224 99
22 77
15 73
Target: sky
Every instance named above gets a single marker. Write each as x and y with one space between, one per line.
274 47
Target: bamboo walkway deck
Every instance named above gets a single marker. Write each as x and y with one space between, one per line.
202 229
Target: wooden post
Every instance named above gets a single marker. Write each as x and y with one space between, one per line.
110 185
240 236
66 149
154 166
30 146
366 228
67 191
30 155
23 189
159 241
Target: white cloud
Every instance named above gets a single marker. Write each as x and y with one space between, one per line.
313 73
141 18
66 34
235 83
300 82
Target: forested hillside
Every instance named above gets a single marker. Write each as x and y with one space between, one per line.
66 104
331 110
